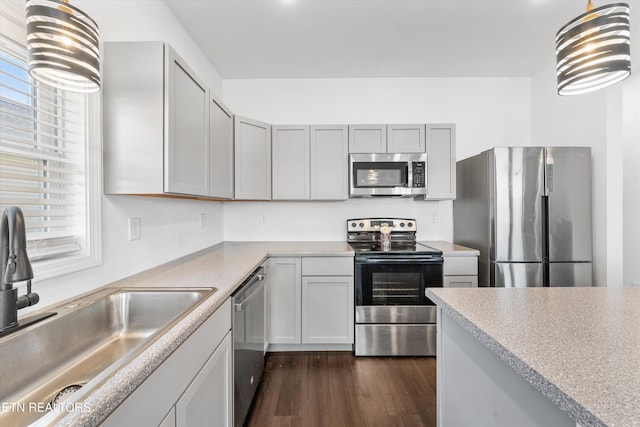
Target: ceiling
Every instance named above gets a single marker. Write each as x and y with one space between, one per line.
376 38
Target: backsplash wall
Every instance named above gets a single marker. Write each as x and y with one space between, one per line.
326 221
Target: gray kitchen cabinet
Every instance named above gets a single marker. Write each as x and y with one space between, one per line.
329 162
441 161
196 377
406 138
290 162
311 302
367 138
327 300
403 138
221 150
170 419
460 272
284 301
156 136
310 162
252 146
207 400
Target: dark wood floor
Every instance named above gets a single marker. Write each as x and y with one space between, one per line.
338 389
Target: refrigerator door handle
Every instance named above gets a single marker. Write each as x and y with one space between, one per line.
549 177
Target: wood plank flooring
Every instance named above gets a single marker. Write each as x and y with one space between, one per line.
318 389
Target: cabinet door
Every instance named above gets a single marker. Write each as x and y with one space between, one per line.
441 161
406 138
284 300
208 399
221 150
290 162
327 310
367 138
170 419
252 159
329 163
187 142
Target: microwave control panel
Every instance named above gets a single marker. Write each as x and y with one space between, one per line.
419 174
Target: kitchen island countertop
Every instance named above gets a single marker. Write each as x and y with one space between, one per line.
580 347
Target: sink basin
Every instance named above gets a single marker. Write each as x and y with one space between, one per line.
87 338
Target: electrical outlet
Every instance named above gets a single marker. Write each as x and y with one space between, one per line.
262 218
202 220
135 228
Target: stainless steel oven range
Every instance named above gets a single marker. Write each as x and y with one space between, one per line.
393 317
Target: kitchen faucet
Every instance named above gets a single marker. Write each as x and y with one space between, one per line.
15 268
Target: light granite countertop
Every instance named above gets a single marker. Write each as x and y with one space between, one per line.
580 347
223 266
450 249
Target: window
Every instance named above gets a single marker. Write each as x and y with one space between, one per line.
49 158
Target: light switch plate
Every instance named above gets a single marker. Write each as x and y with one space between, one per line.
135 228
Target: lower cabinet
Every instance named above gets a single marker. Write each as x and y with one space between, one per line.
327 310
207 400
311 301
193 387
460 272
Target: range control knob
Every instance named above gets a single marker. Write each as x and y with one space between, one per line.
410 224
402 224
362 224
353 225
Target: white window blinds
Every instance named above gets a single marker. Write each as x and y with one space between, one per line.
43 150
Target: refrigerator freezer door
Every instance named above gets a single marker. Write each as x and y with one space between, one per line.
568 186
517 274
570 274
517 188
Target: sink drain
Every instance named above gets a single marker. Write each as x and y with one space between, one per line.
65 393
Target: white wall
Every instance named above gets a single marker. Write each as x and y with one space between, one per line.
576 121
170 227
487 113
609 122
631 178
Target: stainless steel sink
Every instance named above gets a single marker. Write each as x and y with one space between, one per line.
87 338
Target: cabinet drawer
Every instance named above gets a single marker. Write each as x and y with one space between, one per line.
460 266
327 266
460 282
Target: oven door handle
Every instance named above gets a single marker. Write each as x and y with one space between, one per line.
403 260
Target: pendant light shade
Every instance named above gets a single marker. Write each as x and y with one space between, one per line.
593 50
62 45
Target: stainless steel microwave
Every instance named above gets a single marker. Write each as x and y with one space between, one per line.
373 175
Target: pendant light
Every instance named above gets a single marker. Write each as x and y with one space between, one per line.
62 46
593 50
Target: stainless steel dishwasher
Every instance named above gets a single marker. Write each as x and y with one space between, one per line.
248 342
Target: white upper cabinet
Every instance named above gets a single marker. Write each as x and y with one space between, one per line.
221 150
290 162
367 138
441 161
387 138
329 162
155 122
310 162
406 138
187 144
252 159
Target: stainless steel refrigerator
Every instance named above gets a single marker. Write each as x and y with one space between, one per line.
528 211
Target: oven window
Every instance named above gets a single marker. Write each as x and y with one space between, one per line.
396 284
380 174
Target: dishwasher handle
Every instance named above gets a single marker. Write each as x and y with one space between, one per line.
257 278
